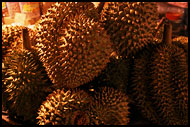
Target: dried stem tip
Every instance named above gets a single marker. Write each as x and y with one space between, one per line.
26 39
168 33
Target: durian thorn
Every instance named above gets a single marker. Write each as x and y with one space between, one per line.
26 39
167 37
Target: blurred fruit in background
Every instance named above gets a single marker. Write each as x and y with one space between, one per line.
32 11
179 4
13 8
4 9
177 14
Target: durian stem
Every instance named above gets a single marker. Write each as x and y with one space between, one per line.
26 39
167 33
100 7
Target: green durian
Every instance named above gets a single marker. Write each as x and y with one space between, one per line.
65 107
131 25
26 84
159 85
109 107
73 51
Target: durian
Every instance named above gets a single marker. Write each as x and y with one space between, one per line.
182 42
26 84
160 82
61 12
109 107
65 107
131 25
12 38
73 51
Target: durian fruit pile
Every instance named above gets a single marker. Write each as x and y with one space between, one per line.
73 47
75 52
76 107
25 82
160 82
12 40
71 77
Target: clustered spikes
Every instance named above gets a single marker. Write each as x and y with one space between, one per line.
131 25
73 52
75 48
181 39
76 107
61 12
4 95
181 42
109 107
87 8
140 87
65 107
12 38
180 81
160 85
26 84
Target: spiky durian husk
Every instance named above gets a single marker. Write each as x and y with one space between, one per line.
26 84
60 13
140 85
182 39
109 107
87 8
131 25
160 86
71 8
181 42
12 38
4 95
65 107
73 52
180 81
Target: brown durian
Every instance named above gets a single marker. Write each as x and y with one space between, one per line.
160 82
65 107
131 25
109 107
73 50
